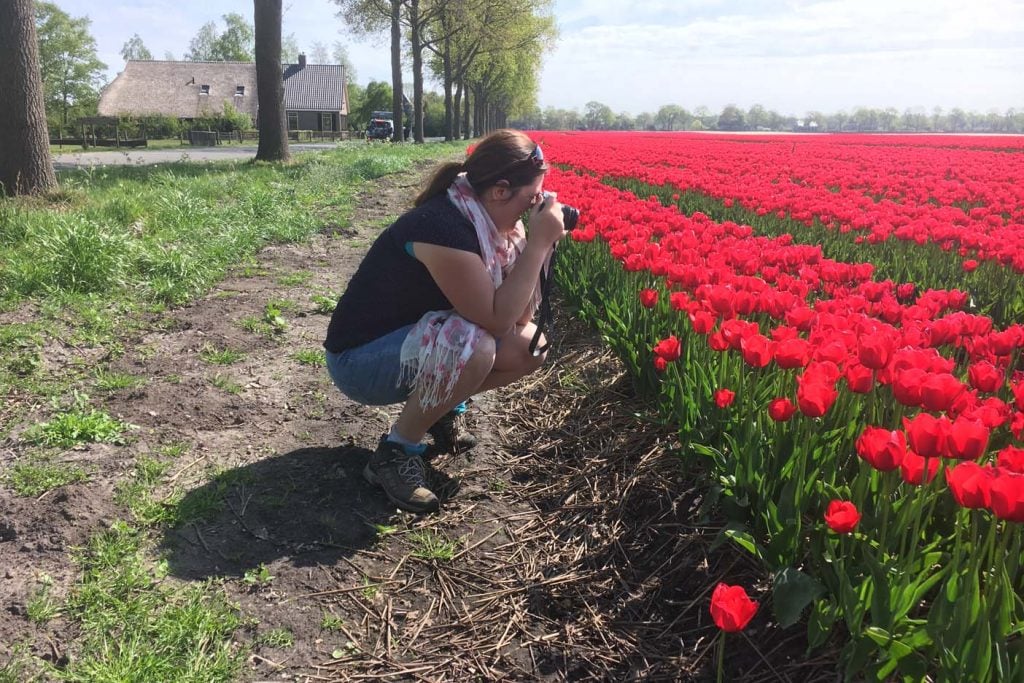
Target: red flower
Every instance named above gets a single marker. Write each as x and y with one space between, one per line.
967 439
670 349
939 390
793 353
781 409
969 484
660 364
756 350
842 516
815 398
731 608
724 398
859 378
875 350
648 298
985 377
906 386
927 434
1006 497
881 448
912 468
1011 458
702 321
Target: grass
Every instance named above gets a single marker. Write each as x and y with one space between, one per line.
314 357
110 380
41 607
324 303
135 627
258 577
432 546
225 383
215 356
277 637
35 475
78 426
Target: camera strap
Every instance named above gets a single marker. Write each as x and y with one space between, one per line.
544 316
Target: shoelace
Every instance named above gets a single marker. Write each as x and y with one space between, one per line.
412 471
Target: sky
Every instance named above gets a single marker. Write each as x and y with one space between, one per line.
791 56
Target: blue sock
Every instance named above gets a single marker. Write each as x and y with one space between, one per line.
460 409
411 447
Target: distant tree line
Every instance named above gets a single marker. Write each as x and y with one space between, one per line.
599 116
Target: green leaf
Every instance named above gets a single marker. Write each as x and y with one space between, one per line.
739 534
819 623
791 593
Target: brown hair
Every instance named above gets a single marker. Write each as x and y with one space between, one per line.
505 154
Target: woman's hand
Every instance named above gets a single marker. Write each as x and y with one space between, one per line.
546 222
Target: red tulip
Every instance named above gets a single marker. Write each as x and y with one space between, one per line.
724 398
815 398
939 390
859 378
756 350
1011 458
881 448
912 468
731 608
660 364
875 350
793 353
781 409
967 439
1006 496
702 322
985 376
906 386
969 484
648 298
842 516
927 434
670 349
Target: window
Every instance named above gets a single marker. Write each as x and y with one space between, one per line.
204 90
239 90
326 121
293 120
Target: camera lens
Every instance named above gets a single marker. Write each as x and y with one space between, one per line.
570 215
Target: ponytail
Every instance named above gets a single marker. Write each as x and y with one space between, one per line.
441 180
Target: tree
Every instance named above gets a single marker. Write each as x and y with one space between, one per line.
671 116
134 48
598 116
340 54
25 166
731 118
72 73
289 49
234 45
273 145
318 54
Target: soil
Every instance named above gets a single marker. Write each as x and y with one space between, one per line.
578 554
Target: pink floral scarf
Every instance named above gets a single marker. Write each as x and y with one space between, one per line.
437 348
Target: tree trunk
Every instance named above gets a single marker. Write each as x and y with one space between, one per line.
446 62
457 111
25 165
273 124
417 70
396 70
466 132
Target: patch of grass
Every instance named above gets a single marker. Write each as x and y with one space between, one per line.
257 577
137 493
299 277
110 380
42 607
215 356
34 476
370 589
324 304
134 627
15 670
277 637
315 357
78 426
175 449
431 545
329 622
272 316
225 383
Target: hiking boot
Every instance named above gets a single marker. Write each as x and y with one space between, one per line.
450 435
402 476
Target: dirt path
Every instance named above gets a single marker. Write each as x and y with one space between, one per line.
570 553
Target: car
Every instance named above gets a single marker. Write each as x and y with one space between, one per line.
380 129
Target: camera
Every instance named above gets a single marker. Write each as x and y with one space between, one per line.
570 214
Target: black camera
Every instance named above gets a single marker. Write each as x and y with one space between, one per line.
570 214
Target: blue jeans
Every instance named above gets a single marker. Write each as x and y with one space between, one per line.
368 374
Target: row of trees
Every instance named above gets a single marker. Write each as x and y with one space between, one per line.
485 53
599 116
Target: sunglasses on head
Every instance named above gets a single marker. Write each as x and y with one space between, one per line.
537 157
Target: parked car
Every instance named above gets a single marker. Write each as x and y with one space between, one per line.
380 129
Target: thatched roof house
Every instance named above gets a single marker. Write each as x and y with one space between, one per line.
315 96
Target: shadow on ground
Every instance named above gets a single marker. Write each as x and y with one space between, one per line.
309 506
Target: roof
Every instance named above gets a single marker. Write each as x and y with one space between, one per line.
174 89
315 87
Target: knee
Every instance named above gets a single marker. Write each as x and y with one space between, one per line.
484 353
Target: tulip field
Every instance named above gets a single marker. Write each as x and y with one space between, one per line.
833 325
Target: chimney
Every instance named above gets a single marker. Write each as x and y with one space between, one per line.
302 60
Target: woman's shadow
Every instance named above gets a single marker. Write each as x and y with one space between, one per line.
310 505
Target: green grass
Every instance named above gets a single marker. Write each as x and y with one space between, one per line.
225 383
315 357
78 426
258 576
431 545
41 607
277 637
324 303
299 277
215 356
133 626
35 475
110 380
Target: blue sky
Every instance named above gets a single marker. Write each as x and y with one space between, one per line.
788 55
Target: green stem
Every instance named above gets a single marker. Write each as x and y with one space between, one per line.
721 656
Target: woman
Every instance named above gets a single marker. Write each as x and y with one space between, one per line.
440 308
